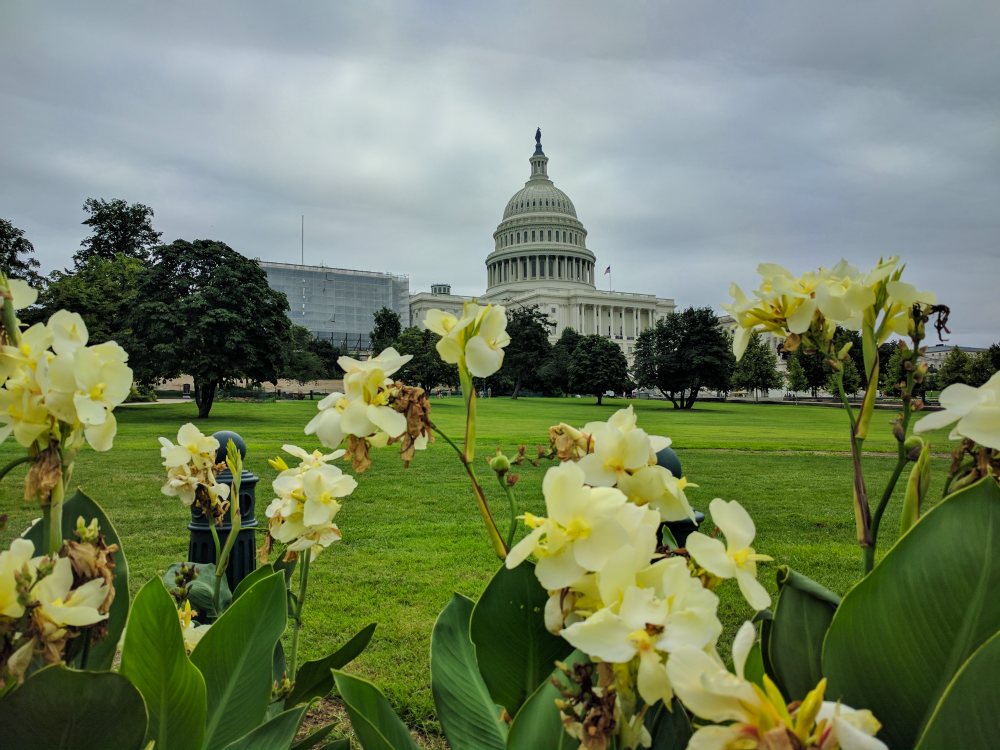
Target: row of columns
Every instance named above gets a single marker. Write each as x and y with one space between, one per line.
542 266
614 321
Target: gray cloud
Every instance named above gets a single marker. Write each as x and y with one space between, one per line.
696 140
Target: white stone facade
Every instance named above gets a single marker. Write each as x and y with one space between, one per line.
540 257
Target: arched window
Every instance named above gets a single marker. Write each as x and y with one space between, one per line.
532 235
519 238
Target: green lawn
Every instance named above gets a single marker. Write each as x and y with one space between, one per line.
412 537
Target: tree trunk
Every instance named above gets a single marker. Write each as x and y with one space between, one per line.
599 397
204 397
517 388
692 396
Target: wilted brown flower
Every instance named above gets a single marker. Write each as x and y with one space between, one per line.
357 449
413 403
588 708
569 443
44 475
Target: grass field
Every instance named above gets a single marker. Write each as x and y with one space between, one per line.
412 537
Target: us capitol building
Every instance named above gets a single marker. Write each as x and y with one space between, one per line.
540 258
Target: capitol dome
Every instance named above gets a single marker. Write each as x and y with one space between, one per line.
540 240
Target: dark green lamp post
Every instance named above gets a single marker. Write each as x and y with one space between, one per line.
201 548
668 459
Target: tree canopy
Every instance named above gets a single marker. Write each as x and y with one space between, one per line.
386 330
17 255
529 347
426 369
757 369
598 365
554 371
103 291
117 228
301 363
683 353
204 310
954 368
795 377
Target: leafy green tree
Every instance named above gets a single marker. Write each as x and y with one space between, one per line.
954 368
684 353
529 347
994 351
980 368
117 228
554 372
204 310
328 354
852 378
426 369
387 329
815 369
16 255
598 365
757 370
103 292
301 363
795 377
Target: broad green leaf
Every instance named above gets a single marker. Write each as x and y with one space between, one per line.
154 659
235 658
255 575
902 633
802 615
373 720
314 738
753 670
102 653
511 611
468 715
315 680
967 715
335 745
538 723
670 729
276 734
66 709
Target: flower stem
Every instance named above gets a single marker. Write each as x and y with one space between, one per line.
862 510
496 541
216 589
10 322
54 514
16 462
297 622
509 491
901 460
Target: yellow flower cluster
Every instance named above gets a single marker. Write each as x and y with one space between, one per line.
40 609
301 516
191 469
55 388
475 341
805 310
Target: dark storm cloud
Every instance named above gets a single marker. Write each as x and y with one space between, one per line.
696 140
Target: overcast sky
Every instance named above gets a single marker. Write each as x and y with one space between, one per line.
696 139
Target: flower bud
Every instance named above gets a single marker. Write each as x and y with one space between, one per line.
500 463
277 463
87 533
912 447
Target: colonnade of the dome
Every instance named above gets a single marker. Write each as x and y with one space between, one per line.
540 266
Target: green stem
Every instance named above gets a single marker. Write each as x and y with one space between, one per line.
54 514
901 460
496 541
217 588
16 462
862 510
10 322
509 492
297 622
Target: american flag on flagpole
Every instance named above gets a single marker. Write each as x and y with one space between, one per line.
607 270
